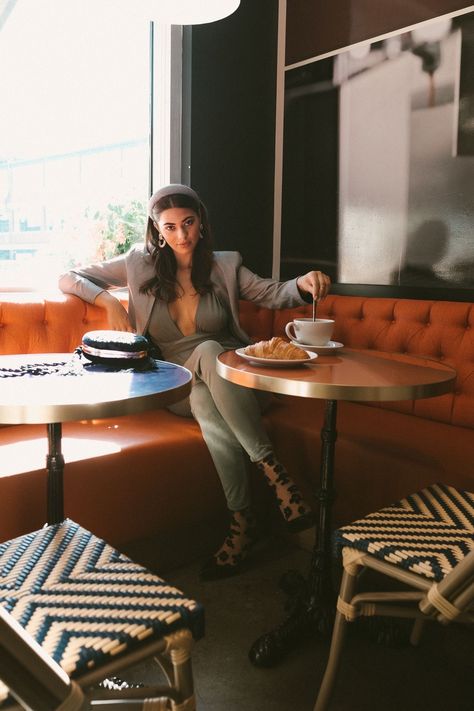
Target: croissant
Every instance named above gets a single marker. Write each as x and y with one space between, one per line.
276 348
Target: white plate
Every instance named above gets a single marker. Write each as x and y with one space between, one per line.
276 362
322 350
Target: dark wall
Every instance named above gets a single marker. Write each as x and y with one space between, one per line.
314 27
232 127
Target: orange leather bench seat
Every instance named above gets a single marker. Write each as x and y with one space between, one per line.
126 477
132 477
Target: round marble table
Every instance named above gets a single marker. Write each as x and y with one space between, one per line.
90 392
370 376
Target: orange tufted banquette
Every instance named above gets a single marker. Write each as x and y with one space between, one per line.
438 329
132 477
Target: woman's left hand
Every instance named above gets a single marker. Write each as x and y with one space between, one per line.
315 283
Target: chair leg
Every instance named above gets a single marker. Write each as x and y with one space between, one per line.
416 631
180 655
346 592
175 663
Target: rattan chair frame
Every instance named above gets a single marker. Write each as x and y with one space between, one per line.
38 683
457 588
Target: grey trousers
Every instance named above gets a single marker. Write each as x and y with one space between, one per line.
230 420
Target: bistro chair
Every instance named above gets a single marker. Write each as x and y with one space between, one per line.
426 541
75 611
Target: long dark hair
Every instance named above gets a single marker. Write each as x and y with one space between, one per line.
163 283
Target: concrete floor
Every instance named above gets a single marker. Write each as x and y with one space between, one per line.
438 675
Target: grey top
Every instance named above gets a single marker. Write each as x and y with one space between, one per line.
212 323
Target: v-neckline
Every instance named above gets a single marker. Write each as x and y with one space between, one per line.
176 325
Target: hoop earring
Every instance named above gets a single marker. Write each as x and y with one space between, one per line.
161 241
201 235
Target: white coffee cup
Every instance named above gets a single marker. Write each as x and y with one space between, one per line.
309 332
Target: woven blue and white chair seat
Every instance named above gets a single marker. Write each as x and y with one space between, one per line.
92 609
425 541
428 533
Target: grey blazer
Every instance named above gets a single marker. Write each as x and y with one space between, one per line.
232 281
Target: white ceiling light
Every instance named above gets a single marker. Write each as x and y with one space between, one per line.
187 12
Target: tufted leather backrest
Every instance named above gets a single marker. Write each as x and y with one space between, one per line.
55 324
443 330
256 322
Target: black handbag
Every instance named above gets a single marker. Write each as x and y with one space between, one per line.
112 350
117 349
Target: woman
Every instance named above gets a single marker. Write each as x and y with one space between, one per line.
184 297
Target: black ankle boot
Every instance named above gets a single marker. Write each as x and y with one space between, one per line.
228 559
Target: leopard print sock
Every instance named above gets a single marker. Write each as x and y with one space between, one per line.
239 539
289 498
243 533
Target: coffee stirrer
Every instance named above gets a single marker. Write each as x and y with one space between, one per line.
314 309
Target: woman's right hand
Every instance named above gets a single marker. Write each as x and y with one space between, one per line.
117 315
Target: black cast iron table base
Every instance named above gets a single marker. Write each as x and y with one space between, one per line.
55 469
312 601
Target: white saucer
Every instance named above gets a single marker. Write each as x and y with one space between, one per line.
327 349
274 362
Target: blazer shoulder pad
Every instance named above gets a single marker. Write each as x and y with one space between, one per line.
228 259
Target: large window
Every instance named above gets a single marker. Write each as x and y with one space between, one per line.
74 135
